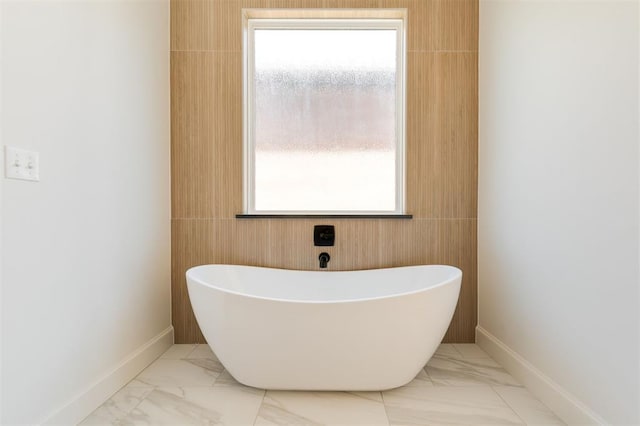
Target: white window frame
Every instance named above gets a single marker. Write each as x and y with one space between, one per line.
321 19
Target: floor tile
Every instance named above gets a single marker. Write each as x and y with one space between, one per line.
447 405
226 379
461 384
202 351
370 395
178 351
118 406
207 363
470 350
422 379
316 408
177 372
197 406
135 383
447 371
528 407
448 349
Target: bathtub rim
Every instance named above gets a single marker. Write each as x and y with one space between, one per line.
456 277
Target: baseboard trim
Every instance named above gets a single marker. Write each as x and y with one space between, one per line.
102 389
569 408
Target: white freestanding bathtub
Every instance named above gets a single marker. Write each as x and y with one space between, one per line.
309 330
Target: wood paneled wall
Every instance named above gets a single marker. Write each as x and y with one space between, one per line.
206 151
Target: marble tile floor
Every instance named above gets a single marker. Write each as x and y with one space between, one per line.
187 385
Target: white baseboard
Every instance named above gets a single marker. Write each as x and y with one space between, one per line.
569 408
102 389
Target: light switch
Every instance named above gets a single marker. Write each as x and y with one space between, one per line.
21 164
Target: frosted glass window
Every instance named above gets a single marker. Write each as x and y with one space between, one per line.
325 117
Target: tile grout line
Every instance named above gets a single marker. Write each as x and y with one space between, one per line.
428 375
523 387
195 346
384 405
128 412
139 402
218 377
453 345
507 404
264 394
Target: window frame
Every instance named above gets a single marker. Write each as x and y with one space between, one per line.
343 19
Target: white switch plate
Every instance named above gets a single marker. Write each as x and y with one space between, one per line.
21 164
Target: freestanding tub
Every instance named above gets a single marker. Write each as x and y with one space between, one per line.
310 330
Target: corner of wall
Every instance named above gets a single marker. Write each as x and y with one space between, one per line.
563 403
83 404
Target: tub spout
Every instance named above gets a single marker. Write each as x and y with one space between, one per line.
324 259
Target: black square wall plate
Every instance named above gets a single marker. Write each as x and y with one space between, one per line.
324 235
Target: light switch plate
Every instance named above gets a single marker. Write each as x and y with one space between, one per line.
21 164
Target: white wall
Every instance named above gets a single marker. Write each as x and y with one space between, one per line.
86 265
558 193
1 174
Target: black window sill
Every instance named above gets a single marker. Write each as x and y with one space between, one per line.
324 216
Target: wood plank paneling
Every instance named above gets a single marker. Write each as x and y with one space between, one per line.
420 20
226 194
228 22
356 247
433 25
442 135
439 25
192 127
192 25
209 24
206 118
456 26
353 4
295 4
190 246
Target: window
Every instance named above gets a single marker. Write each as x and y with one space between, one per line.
324 112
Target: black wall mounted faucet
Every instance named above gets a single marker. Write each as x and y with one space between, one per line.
324 259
